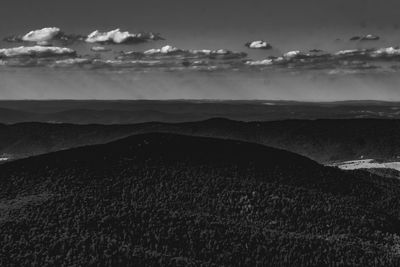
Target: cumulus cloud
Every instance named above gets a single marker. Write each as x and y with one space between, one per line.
264 62
222 54
36 51
261 44
42 35
172 58
165 50
389 52
380 54
27 56
118 37
294 54
354 59
49 34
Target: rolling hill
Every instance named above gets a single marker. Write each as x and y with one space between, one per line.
160 199
325 141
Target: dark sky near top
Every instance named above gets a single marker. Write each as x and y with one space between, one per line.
209 24
216 22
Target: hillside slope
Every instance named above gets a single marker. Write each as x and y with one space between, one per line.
322 140
170 200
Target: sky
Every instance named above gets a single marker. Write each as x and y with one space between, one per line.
213 23
207 24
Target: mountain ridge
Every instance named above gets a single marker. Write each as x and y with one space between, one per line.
322 140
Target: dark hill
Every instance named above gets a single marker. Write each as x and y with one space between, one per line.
321 140
171 200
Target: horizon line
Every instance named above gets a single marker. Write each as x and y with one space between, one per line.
196 100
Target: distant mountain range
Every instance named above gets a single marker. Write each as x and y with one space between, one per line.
128 112
325 141
170 200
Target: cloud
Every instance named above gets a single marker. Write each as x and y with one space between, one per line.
30 56
167 58
170 58
385 53
261 44
72 62
165 50
173 52
368 37
36 52
294 59
380 54
338 62
47 35
43 35
100 49
264 62
118 37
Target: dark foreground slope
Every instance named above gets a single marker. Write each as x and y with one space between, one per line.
321 140
171 200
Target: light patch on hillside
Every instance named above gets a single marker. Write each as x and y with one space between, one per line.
367 164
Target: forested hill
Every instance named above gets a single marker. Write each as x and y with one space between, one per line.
170 200
322 140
